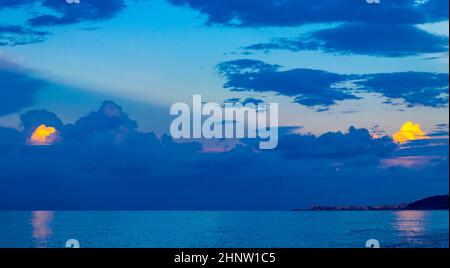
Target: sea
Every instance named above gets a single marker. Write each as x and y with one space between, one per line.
224 229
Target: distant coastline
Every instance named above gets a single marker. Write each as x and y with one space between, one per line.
437 202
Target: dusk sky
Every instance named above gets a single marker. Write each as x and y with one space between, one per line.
346 74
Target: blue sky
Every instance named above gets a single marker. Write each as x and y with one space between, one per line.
146 55
138 54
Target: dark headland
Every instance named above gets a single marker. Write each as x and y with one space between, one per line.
437 202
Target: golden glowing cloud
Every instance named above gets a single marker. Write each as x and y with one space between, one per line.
43 135
409 132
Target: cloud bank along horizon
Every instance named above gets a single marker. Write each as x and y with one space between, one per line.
103 158
370 81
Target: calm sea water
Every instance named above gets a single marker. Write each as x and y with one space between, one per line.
224 228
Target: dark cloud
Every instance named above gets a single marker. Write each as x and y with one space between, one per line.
13 35
245 101
364 39
54 12
108 119
415 88
15 3
252 100
17 88
434 147
98 170
385 29
34 118
321 89
63 13
85 11
356 142
309 87
259 13
9 138
440 130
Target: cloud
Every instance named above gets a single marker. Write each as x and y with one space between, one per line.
415 88
245 101
363 39
85 11
321 89
98 165
9 138
386 29
356 142
32 119
18 88
409 132
54 13
108 119
309 87
63 13
257 13
15 3
43 135
14 35
441 129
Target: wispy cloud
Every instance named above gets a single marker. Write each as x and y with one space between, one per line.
363 39
14 35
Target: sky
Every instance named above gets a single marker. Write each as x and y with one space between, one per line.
342 72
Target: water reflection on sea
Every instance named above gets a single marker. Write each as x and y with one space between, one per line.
42 231
224 228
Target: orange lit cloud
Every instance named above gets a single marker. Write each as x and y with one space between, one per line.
409 132
43 135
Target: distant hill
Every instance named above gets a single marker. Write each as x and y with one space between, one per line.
430 203
438 202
